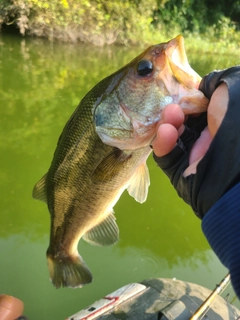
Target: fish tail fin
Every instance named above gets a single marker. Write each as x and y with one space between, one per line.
68 271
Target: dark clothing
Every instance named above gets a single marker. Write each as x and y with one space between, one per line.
221 226
218 171
214 191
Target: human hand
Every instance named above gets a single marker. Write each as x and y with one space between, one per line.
171 127
200 154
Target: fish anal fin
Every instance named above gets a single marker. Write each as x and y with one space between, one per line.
39 190
105 233
139 183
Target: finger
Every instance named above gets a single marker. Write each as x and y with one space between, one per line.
174 115
169 129
198 150
200 146
217 108
165 140
216 111
192 169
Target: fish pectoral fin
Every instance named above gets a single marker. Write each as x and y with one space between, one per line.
105 233
39 190
139 183
111 165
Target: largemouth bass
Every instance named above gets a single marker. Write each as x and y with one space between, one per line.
103 150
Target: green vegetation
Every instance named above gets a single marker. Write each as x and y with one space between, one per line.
124 22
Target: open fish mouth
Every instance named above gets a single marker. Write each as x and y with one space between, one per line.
179 65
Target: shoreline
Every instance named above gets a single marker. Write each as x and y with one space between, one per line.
195 43
128 23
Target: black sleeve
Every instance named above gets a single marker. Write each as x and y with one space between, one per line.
219 169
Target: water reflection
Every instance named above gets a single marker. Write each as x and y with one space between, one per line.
41 85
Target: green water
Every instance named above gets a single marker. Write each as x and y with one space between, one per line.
41 83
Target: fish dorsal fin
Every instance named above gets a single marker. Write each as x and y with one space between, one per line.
105 233
39 191
139 183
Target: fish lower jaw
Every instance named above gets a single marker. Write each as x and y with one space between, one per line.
140 137
113 140
138 140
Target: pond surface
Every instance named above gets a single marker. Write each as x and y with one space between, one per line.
41 85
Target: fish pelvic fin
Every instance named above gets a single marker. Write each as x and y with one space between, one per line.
105 233
68 271
39 190
139 183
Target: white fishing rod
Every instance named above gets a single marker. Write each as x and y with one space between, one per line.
202 310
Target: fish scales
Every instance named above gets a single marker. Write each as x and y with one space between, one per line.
103 149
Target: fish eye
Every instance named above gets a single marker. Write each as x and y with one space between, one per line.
144 68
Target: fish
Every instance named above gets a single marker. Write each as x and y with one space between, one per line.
103 150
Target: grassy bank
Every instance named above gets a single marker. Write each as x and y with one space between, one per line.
128 22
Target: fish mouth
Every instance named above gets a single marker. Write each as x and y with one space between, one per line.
178 62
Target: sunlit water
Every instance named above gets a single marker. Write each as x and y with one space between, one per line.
41 84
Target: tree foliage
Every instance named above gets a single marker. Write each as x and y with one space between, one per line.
115 21
198 16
